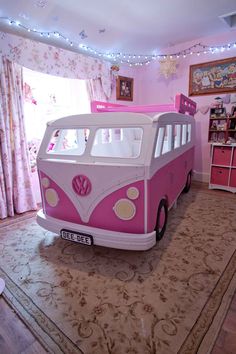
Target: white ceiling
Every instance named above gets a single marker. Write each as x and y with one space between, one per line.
126 26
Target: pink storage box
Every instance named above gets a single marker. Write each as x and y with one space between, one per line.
220 175
222 156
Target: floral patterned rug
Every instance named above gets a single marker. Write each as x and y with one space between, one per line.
93 300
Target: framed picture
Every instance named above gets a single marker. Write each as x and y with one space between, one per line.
124 88
217 76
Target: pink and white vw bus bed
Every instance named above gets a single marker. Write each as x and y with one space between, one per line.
109 178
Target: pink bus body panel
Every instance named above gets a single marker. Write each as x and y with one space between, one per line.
166 184
111 222
65 209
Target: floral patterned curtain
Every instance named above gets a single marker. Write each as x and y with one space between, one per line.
95 90
55 61
16 193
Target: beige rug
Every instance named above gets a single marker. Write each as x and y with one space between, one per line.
93 300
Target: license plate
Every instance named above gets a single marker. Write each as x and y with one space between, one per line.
77 237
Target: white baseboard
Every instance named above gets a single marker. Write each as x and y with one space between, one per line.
201 176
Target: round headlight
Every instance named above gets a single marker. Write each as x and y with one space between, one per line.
52 197
132 193
124 209
45 182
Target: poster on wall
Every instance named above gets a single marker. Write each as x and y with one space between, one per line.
217 76
124 88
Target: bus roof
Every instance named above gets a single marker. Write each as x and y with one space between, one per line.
118 119
102 119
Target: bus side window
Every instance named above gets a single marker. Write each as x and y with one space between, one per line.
184 134
189 133
159 141
167 146
68 141
177 135
117 142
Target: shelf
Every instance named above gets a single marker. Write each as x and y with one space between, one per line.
225 188
214 135
215 142
217 118
225 145
226 124
223 167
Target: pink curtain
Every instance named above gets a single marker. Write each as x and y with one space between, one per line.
96 93
95 90
16 192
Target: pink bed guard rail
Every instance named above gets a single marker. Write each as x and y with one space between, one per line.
182 104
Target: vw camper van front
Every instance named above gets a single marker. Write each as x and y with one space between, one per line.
92 178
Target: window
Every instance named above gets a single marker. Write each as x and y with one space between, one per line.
184 134
159 142
108 135
117 142
167 146
189 133
177 135
68 142
46 98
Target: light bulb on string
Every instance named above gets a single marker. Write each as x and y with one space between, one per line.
134 58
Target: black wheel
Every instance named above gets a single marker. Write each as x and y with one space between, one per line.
162 214
188 183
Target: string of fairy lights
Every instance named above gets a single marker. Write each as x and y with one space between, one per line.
124 58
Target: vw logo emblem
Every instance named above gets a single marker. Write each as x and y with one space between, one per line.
81 185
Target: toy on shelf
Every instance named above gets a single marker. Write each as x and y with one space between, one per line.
110 177
218 103
222 125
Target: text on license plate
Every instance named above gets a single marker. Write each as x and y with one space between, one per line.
77 237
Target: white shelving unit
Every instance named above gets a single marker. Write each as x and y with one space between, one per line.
223 167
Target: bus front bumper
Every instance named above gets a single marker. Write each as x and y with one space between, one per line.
100 237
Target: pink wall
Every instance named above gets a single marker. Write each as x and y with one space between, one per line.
150 87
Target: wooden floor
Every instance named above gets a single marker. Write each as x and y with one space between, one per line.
16 338
226 340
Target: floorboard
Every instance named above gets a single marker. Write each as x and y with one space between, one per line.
15 337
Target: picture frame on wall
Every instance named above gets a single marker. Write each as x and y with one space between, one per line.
124 88
218 76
